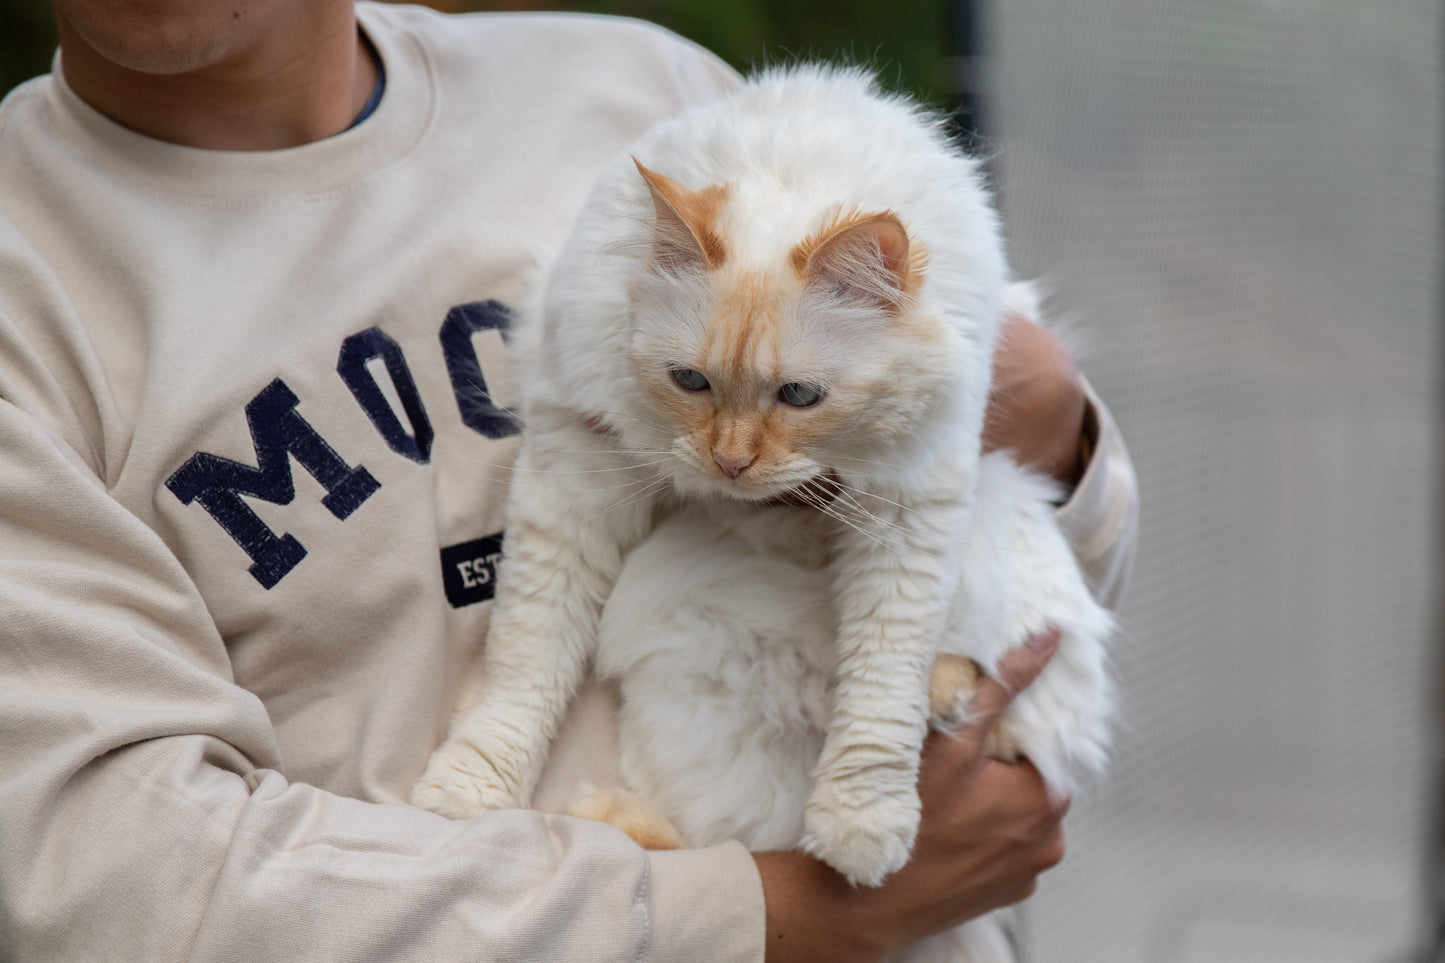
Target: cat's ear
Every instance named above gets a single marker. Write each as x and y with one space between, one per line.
684 235
864 258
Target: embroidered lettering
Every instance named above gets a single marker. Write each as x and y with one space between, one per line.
356 351
278 434
478 409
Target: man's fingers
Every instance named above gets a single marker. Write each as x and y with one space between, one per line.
1015 671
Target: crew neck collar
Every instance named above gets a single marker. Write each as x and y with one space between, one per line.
397 124
378 87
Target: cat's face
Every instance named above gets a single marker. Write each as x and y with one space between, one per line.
764 373
747 410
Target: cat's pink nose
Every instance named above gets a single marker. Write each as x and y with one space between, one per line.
732 467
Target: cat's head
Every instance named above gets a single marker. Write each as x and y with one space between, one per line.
768 361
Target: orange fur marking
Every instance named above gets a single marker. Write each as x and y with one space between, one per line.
746 328
904 261
696 211
747 316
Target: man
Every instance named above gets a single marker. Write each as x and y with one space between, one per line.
237 239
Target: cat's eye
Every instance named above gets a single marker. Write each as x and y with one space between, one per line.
690 379
800 395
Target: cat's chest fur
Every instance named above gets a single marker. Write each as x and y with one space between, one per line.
721 635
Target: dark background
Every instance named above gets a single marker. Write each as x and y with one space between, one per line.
906 41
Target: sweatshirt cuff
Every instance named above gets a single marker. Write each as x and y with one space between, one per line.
1101 517
706 904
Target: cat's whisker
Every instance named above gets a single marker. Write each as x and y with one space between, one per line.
844 494
968 543
1009 549
540 477
879 524
519 469
872 536
648 489
862 491
644 482
591 471
561 486
866 461
624 486
636 420
610 451
829 508
483 395
495 479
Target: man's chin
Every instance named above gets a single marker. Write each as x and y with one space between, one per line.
160 38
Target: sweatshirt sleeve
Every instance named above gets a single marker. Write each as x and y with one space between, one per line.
1101 517
144 816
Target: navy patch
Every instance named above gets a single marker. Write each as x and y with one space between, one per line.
469 570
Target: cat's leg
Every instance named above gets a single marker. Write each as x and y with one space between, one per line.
891 586
629 813
566 536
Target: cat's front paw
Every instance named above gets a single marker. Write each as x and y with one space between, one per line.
864 833
458 783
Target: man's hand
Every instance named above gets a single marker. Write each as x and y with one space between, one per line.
988 831
1037 408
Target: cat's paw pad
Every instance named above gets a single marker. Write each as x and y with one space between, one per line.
951 688
459 784
866 841
647 827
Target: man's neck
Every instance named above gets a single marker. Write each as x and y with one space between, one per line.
292 84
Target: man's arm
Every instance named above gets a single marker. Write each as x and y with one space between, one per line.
144 813
1044 411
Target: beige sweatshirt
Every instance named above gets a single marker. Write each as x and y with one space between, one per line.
253 457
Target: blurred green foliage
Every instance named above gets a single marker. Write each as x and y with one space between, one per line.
27 40
906 41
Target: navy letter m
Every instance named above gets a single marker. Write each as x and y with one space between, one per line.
278 434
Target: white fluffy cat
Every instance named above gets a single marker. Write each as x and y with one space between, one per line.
790 295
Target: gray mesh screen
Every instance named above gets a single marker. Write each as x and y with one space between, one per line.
1240 199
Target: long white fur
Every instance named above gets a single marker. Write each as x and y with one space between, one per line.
815 699
721 632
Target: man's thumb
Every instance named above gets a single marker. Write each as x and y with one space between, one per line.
1019 667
